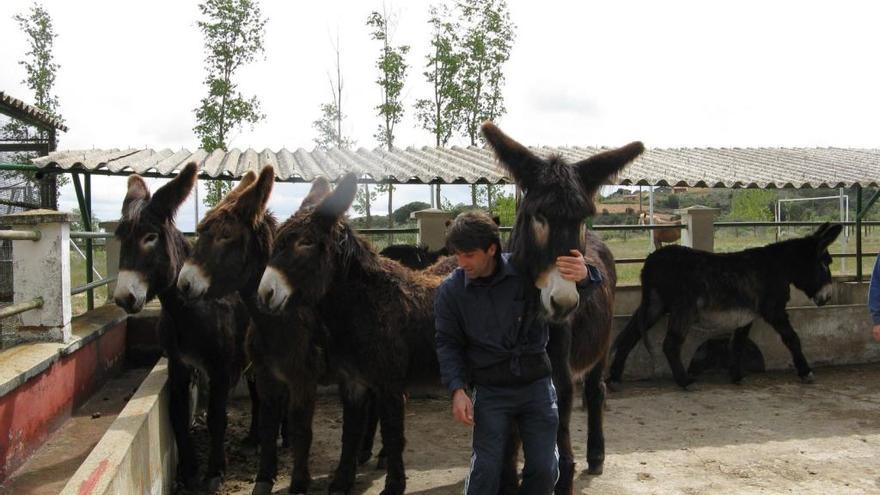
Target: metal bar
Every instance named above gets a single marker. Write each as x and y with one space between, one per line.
388 231
656 226
15 309
83 256
92 286
20 235
859 233
624 261
91 235
870 204
786 224
90 252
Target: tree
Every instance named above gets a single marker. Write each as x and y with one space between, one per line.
329 126
41 70
439 115
363 198
486 45
753 204
233 32
392 73
402 214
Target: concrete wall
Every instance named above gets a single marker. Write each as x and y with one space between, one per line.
42 383
137 454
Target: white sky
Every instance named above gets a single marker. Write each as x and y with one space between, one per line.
672 73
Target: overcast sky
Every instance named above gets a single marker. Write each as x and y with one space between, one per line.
672 73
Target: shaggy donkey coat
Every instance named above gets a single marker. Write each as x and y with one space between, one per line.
728 292
557 198
207 336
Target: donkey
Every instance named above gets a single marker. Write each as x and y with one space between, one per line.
287 350
557 198
670 235
727 292
379 316
414 257
203 336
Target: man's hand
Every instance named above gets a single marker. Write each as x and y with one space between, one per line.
877 333
572 267
462 408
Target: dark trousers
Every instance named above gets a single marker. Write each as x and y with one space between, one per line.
533 409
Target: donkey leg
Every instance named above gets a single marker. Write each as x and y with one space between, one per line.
783 327
353 421
737 345
391 417
253 437
300 420
217 421
179 377
675 335
372 423
272 401
559 350
594 390
624 344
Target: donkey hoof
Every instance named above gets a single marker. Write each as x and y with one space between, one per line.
595 468
262 488
809 378
213 484
189 483
614 385
685 383
364 456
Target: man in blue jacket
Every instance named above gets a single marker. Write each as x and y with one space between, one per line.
874 299
485 340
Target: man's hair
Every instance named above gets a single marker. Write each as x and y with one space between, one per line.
472 230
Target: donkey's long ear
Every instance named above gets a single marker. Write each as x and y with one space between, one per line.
246 180
514 157
169 197
826 234
251 203
599 169
335 204
320 189
136 196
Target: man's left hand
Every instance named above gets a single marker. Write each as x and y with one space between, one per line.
572 267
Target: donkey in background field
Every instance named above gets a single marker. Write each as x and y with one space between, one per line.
727 292
208 336
557 198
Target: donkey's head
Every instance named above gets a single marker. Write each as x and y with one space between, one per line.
152 249
235 239
557 198
811 272
311 247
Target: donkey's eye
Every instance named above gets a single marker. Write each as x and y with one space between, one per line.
150 239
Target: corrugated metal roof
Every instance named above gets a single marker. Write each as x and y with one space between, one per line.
29 113
692 167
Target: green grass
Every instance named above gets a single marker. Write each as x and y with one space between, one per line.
78 278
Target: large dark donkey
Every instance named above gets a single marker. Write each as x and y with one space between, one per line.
727 292
557 198
379 316
208 336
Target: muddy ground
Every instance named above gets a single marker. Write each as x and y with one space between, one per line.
771 435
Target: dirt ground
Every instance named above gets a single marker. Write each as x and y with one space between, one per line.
771 435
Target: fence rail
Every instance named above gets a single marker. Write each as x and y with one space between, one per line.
19 308
20 235
92 285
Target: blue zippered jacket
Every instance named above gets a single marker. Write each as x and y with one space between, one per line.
874 293
477 321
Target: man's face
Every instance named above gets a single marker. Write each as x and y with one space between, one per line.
477 263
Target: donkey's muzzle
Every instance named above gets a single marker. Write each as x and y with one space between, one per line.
274 291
